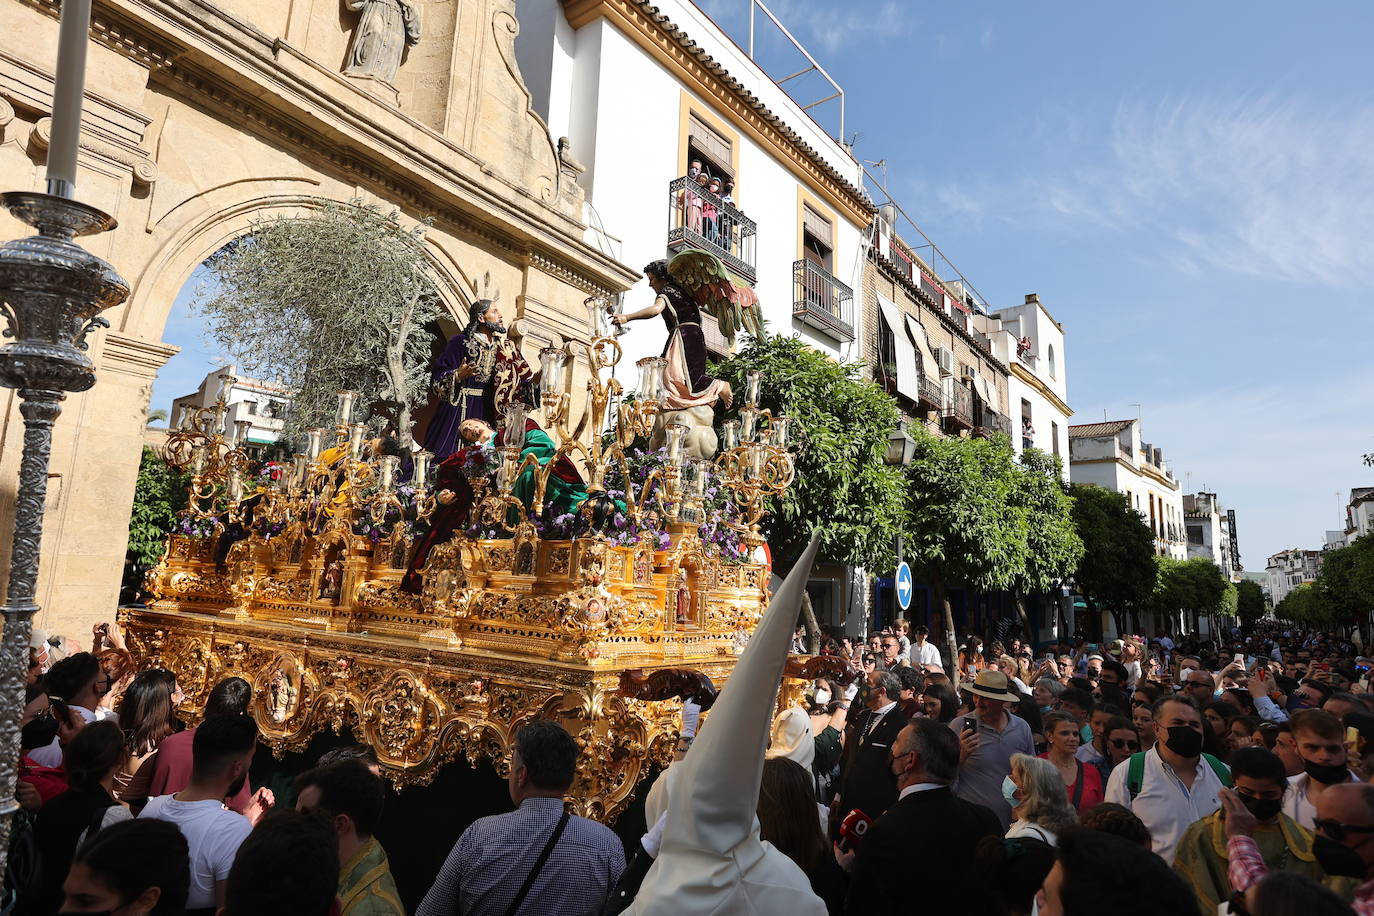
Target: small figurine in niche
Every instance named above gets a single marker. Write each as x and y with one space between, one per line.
683 597
332 583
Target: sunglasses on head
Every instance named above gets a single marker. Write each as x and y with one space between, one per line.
1337 831
1120 743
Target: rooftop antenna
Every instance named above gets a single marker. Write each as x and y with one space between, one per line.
1138 417
879 164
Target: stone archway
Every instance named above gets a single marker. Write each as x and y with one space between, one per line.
198 121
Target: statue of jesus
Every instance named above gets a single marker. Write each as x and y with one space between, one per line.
385 29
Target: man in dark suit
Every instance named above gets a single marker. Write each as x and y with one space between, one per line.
866 778
929 831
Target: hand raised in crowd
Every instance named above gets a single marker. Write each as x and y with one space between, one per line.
263 801
968 743
1239 820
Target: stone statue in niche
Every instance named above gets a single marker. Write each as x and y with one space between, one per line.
385 29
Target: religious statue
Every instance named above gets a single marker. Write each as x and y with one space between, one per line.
331 585
477 376
385 29
282 691
683 598
692 282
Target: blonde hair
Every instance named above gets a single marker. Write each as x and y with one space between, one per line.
1045 802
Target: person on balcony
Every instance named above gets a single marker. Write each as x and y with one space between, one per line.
727 222
684 377
711 213
690 201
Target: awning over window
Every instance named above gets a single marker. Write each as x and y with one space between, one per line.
918 334
986 391
908 376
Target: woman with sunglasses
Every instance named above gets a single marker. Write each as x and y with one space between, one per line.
1120 740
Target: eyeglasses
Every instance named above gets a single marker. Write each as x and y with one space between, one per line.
1120 743
1337 831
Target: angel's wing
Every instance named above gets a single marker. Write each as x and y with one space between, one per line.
703 277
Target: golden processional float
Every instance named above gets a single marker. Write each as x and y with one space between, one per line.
593 629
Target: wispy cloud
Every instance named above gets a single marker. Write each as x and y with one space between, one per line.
833 28
1275 475
1274 188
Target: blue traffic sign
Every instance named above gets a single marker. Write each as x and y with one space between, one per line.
904 586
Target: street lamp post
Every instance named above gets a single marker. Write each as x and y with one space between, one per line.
52 292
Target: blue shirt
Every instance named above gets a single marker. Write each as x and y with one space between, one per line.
491 860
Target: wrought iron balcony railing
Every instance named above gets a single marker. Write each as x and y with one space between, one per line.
932 394
990 423
959 407
821 301
697 218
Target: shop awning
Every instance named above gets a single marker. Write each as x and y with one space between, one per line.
908 376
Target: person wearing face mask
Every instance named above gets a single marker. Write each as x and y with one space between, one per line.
222 753
1320 742
1253 810
866 783
1173 784
1038 800
1343 846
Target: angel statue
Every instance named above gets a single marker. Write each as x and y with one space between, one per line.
385 29
691 282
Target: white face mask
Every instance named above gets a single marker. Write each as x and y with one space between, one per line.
822 697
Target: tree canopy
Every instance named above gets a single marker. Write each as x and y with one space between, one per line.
339 298
1249 600
1117 568
1194 586
1343 593
840 427
1053 547
159 494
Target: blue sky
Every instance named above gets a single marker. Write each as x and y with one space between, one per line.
1188 186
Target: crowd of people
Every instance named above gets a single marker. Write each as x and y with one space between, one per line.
1138 776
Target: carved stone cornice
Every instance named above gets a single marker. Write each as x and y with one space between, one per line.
671 46
1031 379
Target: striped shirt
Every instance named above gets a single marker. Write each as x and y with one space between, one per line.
490 861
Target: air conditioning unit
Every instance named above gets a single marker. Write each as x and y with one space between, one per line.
945 359
971 372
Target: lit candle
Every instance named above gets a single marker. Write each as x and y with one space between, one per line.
748 423
69 89
777 427
386 472
344 415
752 383
355 441
729 435
513 436
552 361
421 471
674 433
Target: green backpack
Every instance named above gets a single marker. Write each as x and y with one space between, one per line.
1135 776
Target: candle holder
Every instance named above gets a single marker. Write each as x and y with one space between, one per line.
53 292
212 450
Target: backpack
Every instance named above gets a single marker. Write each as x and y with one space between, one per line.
1135 775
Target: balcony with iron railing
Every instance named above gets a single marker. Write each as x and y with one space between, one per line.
932 393
958 408
989 423
698 218
822 302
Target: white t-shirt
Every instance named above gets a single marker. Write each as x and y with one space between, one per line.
212 832
924 654
1297 805
1025 828
51 756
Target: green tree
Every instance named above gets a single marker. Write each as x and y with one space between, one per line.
1305 604
1117 569
840 426
1249 600
159 494
340 298
1053 547
1194 587
1345 585
965 519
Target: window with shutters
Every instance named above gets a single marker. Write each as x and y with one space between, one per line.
708 146
818 238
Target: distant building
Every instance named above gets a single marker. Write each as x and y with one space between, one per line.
1291 568
1212 532
1111 455
1038 388
1359 513
261 403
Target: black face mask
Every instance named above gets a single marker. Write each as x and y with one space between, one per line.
1184 741
1327 774
1337 858
40 732
1264 809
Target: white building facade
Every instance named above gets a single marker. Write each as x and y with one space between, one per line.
642 91
1031 344
1359 513
262 404
1111 454
1211 531
1291 568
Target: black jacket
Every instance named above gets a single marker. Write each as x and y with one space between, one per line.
918 858
866 780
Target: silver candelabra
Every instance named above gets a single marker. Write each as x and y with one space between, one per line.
52 292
